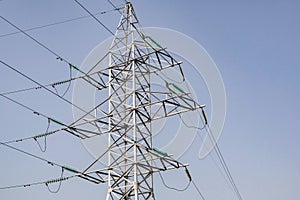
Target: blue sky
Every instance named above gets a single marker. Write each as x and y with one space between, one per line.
255 45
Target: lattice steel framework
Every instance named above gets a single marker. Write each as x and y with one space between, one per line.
132 61
127 114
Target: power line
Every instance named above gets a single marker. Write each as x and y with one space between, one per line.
37 183
23 90
223 163
36 136
69 85
32 38
47 25
91 14
198 190
49 118
68 128
190 126
59 185
58 57
212 158
186 187
220 156
115 9
71 129
24 106
54 84
27 77
113 5
173 188
45 139
218 152
38 87
61 22
221 170
78 174
31 155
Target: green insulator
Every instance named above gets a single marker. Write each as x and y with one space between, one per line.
178 88
160 152
154 42
70 169
55 121
76 68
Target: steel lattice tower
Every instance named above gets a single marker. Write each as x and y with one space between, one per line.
131 107
132 158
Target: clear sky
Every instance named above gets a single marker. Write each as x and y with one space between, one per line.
255 45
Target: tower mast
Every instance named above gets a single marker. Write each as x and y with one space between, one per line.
131 107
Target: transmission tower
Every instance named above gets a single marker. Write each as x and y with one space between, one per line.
131 107
132 103
132 159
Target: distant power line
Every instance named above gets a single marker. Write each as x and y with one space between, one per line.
60 22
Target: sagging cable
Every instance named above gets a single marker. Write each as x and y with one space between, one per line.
55 181
45 138
173 188
62 82
190 126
